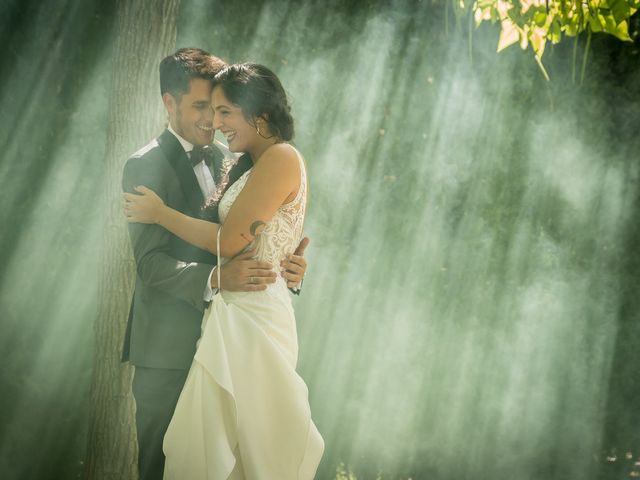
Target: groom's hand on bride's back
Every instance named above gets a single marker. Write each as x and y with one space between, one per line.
244 274
295 266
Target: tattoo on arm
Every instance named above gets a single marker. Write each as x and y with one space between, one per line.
255 229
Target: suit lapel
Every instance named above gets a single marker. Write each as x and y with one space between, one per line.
184 171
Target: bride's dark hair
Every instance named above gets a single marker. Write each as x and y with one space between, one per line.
259 93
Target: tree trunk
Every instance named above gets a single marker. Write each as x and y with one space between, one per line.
145 33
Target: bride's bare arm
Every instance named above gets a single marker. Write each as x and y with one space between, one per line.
149 208
195 231
274 180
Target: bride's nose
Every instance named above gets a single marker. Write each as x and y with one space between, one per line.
217 120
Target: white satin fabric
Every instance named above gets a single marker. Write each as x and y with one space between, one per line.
244 413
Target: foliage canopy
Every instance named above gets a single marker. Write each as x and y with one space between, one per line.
536 22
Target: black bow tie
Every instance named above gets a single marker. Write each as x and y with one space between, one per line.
199 154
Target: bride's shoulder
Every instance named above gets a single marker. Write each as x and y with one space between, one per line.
281 155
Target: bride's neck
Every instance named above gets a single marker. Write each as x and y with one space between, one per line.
257 152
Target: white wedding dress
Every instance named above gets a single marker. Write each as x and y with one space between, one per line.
244 411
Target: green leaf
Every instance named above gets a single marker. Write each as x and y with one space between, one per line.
595 23
555 33
622 32
508 35
538 41
621 10
572 27
540 18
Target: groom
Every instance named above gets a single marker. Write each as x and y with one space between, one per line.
175 280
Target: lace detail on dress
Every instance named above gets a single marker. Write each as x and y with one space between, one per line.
282 233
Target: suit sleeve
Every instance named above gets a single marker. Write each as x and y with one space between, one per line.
298 289
155 267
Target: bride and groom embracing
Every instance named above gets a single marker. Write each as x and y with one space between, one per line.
215 347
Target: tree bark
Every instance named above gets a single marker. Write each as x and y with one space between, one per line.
145 33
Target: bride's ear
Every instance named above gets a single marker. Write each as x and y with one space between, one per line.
261 124
262 120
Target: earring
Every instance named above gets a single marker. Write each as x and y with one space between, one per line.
260 133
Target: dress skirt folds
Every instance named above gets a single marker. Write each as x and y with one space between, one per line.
244 411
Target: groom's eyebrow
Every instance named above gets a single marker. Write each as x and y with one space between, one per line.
200 103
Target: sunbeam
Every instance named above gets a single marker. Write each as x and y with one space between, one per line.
469 309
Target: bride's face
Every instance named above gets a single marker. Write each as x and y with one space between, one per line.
228 118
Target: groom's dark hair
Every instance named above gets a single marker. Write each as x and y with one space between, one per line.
178 68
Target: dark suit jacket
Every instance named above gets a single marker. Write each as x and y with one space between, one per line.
167 306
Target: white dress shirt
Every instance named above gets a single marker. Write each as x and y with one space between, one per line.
203 174
207 187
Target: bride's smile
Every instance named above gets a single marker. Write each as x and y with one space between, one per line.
244 133
229 135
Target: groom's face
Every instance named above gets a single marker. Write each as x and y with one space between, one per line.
191 117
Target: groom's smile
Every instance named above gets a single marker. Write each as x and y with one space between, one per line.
191 116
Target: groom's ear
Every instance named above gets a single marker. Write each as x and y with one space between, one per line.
170 103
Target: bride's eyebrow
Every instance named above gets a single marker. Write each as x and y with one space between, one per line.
220 107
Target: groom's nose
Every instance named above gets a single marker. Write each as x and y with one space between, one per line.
207 113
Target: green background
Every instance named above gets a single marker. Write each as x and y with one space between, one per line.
471 306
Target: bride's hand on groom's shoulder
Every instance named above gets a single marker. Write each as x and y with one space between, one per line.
144 207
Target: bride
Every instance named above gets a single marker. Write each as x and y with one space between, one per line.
244 411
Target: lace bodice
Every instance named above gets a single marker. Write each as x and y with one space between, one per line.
282 233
